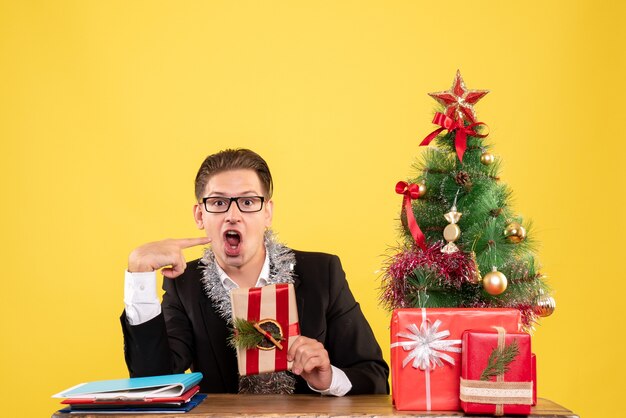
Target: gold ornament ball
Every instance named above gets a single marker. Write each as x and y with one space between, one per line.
515 233
544 306
494 282
422 189
487 158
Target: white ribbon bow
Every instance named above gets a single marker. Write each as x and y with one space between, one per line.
427 346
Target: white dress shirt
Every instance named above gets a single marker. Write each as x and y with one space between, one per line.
142 304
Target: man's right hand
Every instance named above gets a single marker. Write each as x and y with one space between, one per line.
167 253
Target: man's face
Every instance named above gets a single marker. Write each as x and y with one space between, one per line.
237 237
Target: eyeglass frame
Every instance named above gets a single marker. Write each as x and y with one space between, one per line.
230 202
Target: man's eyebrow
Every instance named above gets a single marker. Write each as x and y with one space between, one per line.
242 194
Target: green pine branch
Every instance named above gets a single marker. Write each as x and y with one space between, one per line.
428 290
500 360
246 335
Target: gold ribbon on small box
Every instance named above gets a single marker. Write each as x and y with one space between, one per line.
499 392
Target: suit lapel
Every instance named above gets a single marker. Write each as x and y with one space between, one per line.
218 333
299 298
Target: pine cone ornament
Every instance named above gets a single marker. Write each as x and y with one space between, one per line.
463 179
495 212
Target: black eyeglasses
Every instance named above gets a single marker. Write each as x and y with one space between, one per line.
244 203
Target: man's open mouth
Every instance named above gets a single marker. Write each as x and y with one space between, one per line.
232 240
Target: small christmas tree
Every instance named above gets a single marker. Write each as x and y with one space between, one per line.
463 246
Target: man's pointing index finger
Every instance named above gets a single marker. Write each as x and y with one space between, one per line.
192 242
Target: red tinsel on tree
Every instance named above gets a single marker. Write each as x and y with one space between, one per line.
453 270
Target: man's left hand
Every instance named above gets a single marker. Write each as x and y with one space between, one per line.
310 360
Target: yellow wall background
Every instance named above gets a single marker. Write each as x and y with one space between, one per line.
107 109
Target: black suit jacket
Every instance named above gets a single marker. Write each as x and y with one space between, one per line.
189 333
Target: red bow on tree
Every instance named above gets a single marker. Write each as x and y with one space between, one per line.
449 124
411 191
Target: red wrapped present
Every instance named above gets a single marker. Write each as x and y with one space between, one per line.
270 315
426 353
496 376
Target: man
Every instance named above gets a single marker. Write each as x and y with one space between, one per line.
336 354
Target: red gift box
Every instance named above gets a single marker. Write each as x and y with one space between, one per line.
277 304
426 354
503 389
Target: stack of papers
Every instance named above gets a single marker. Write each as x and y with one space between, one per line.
173 393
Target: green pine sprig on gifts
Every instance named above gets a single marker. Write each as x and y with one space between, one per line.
246 336
500 360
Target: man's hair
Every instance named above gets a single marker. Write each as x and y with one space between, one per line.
234 159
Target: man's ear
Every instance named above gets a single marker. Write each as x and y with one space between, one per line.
197 215
269 213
